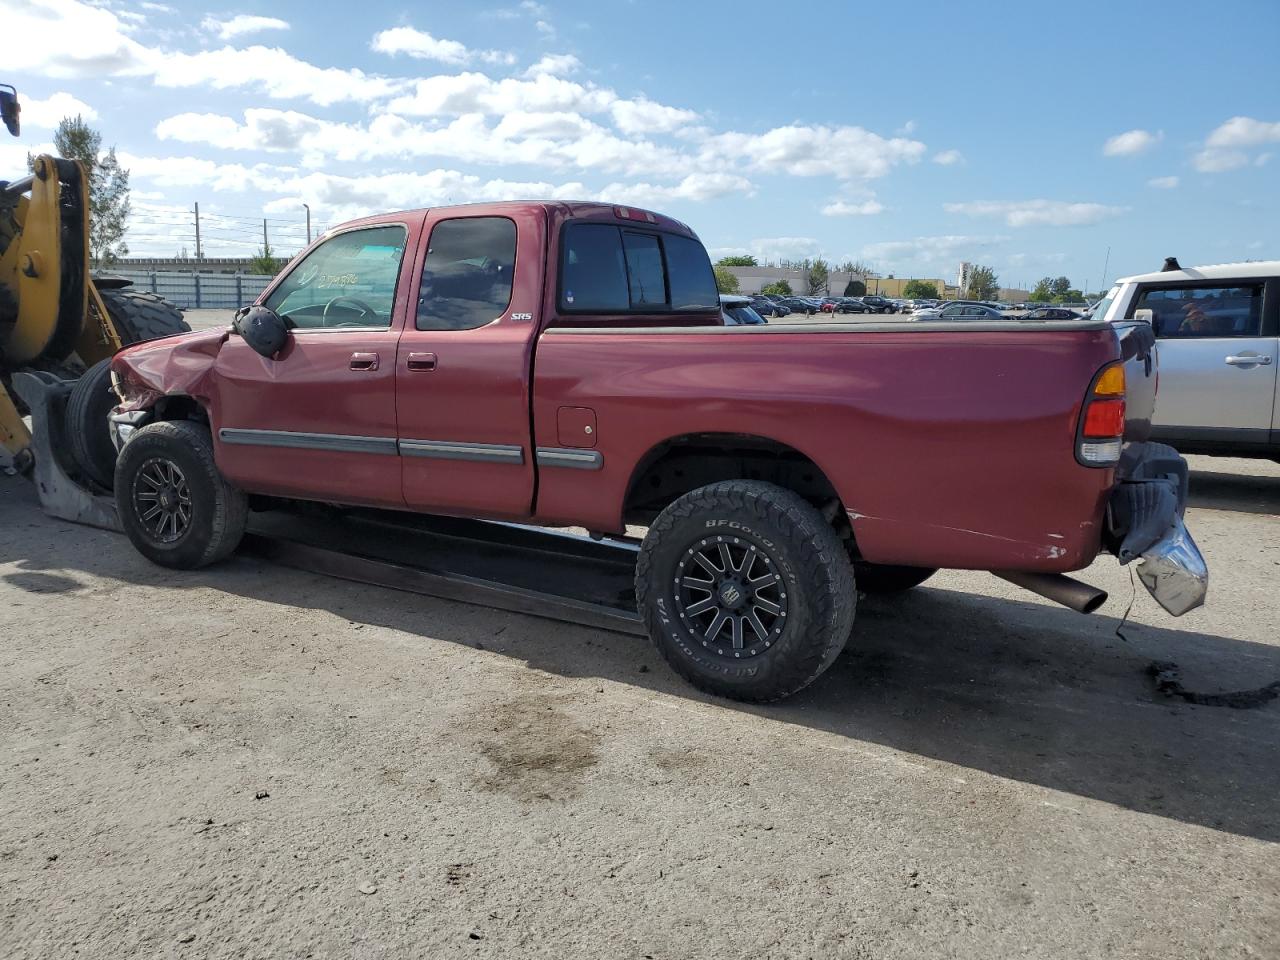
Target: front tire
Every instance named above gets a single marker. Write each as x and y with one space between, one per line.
745 590
174 505
87 430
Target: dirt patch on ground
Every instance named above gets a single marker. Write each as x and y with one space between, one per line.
538 751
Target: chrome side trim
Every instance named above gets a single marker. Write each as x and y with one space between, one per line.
457 450
567 457
332 442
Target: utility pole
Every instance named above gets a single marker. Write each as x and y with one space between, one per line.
199 249
1105 265
266 247
307 207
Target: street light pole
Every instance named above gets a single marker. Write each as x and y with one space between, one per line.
307 207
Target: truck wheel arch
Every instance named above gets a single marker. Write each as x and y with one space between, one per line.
680 464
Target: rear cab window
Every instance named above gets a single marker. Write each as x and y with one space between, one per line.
612 269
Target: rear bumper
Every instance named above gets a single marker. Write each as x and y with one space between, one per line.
1145 523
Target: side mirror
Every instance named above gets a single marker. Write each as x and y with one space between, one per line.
9 109
264 330
1145 316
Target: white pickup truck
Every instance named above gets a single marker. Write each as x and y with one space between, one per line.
1218 343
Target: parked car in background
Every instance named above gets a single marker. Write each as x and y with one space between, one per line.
800 305
739 311
1217 333
852 305
960 310
768 308
1052 313
877 304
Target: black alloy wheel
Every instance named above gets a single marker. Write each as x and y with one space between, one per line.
730 597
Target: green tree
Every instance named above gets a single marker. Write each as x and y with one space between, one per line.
1059 286
265 261
983 284
738 260
780 287
726 282
855 288
108 187
920 290
1043 292
819 277
856 266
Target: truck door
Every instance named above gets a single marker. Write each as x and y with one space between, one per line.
1217 342
319 420
463 368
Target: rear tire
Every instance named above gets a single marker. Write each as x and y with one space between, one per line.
775 615
168 467
886 578
87 430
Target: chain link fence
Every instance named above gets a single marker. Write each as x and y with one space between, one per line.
199 291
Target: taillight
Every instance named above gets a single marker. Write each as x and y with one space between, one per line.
1100 436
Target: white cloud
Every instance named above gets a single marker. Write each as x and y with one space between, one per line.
696 186
1026 213
1227 147
544 28
784 248
47 113
555 65
477 93
242 24
643 116
65 39
853 208
1131 143
935 253
423 46
1163 183
807 151
906 129
948 158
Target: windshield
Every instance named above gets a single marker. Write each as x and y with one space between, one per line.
1100 311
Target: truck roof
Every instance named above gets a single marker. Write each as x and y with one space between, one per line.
1213 271
565 209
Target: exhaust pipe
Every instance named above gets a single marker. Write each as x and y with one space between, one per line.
1080 597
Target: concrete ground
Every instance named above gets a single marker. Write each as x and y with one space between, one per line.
250 761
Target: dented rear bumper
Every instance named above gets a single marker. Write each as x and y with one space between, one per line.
1145 523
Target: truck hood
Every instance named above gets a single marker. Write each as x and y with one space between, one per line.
172 365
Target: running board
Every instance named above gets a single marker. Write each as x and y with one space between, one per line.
530 570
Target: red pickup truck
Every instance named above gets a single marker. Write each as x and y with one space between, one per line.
566 364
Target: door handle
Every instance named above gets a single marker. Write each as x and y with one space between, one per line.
1260 361
421 361
364 361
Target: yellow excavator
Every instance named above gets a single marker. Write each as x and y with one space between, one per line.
60 323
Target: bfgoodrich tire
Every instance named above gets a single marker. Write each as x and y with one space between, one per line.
175 506
886 578
745 590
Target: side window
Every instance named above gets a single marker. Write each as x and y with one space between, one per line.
466 277
693 285
347 281
594 276
1190 312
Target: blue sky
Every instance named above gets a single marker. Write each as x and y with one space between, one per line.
1029 136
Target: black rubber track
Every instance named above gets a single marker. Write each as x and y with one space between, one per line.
817 570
